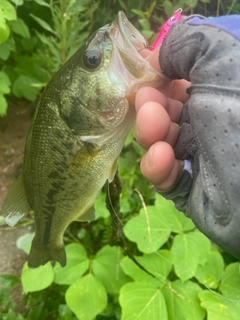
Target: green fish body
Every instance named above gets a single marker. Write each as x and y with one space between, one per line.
76 136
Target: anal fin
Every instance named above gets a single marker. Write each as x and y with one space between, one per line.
15 205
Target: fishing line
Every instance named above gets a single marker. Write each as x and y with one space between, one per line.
145 48
165 282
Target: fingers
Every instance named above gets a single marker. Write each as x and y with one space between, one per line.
175 89
159 165
153 124
156 117
173 107
157 131
158 112
146 94
152 58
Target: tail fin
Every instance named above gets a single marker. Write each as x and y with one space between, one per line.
40 255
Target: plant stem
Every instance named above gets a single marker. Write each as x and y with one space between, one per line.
231 7
64 31
218 8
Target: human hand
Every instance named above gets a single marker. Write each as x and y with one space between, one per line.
157 129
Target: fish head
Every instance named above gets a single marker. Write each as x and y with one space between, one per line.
97 86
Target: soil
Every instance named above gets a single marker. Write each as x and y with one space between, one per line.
13 132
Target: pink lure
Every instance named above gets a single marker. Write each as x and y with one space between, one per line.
167 25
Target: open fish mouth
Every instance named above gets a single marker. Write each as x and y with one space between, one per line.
127 36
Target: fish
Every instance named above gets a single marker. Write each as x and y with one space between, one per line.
77 134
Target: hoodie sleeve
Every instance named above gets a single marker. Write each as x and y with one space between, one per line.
206 51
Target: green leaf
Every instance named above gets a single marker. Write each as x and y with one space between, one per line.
173 218
28 66
51 46
138 275
37 279
157 263
192 4
168 7
5 301
29 44
127 162
139 13
106 267
7 10
22 88
147 230
123 5
42 3
38 310
86 297
43 24
2 219
77 265
19 27
12 316
147 34
189 250
230 284
145 24
8 280
4 31
150 9
210 273
100 207
4 89
142 301
3 106
218 307
6 48
24 242
182 300
10 72
64 312
17 2
4 83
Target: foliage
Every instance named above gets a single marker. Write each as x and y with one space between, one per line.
183 275
164 268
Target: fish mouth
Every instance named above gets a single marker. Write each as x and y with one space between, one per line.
128 42
130 38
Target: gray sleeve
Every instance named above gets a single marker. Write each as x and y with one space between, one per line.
209 57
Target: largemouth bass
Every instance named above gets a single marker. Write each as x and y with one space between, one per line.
77 134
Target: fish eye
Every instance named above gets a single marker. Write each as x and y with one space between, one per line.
92 59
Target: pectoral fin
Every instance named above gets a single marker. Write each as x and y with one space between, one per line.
113 170
15 206
88 215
